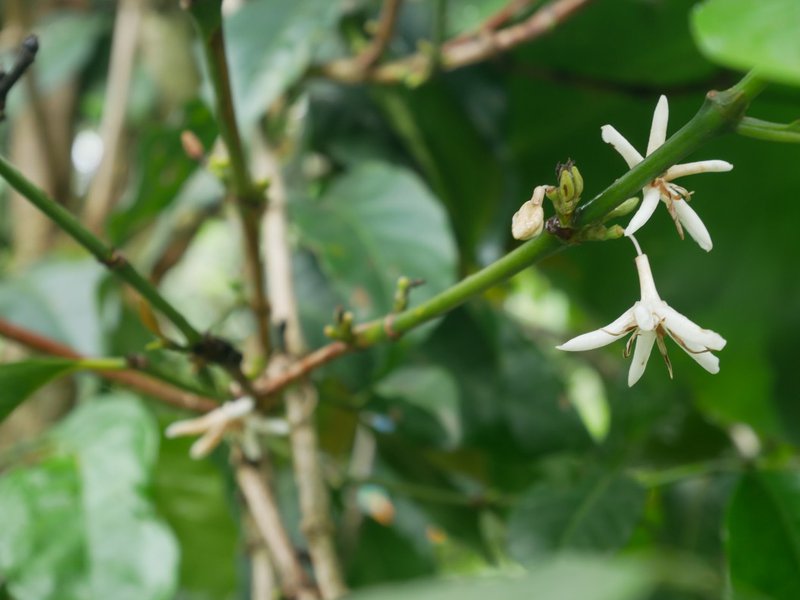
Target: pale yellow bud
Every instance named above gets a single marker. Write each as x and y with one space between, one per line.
528 221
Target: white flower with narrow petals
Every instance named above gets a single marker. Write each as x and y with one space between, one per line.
674 196
237 416
650 319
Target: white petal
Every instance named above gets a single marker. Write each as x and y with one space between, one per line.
194 426
658 130
603 336
706 360
689 334
621 145
644 345
693 168
644 317
208 441
647 286
692 223
236 409
646 210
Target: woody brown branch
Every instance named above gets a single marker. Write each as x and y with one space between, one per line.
458 52
141 382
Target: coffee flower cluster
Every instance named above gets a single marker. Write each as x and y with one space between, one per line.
650 320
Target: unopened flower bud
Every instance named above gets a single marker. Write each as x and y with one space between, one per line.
192 145
623 209
528 221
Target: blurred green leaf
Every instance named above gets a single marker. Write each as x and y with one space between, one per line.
747 34
57 297
597 512
561 579
385 554
430 389
20 379
270 44
163 168
80 524
763 535
374 224
194 497
442 138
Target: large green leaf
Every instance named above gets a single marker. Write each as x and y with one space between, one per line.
746 34
563 579
21 379
80 524
763 535
597 512
193 497
270 44
374 224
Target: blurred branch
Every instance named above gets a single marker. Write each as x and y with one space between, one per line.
425 493
458 52
301 400
101 196
145 384
25 58
247 195
769 131
383 35
108 256
720 112
263 507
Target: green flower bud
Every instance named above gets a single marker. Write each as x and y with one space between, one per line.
623 209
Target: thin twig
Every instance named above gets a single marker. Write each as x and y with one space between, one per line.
248 197
269 385
458 53
383 35
263 507
100 198
145 384
301 400
108 256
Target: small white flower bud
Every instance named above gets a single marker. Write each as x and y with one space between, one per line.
528 221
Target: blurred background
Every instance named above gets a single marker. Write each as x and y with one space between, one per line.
471 445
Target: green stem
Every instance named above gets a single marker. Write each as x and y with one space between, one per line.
110 257
500 270
249 198
664 477
769 131
217 62
720 112
102 364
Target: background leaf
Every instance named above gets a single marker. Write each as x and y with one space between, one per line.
763 535
20 379
746 34
563 579
270 44
597 512
81 524
374 224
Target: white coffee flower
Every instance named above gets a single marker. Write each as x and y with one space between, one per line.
674 196
650 319
237 416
